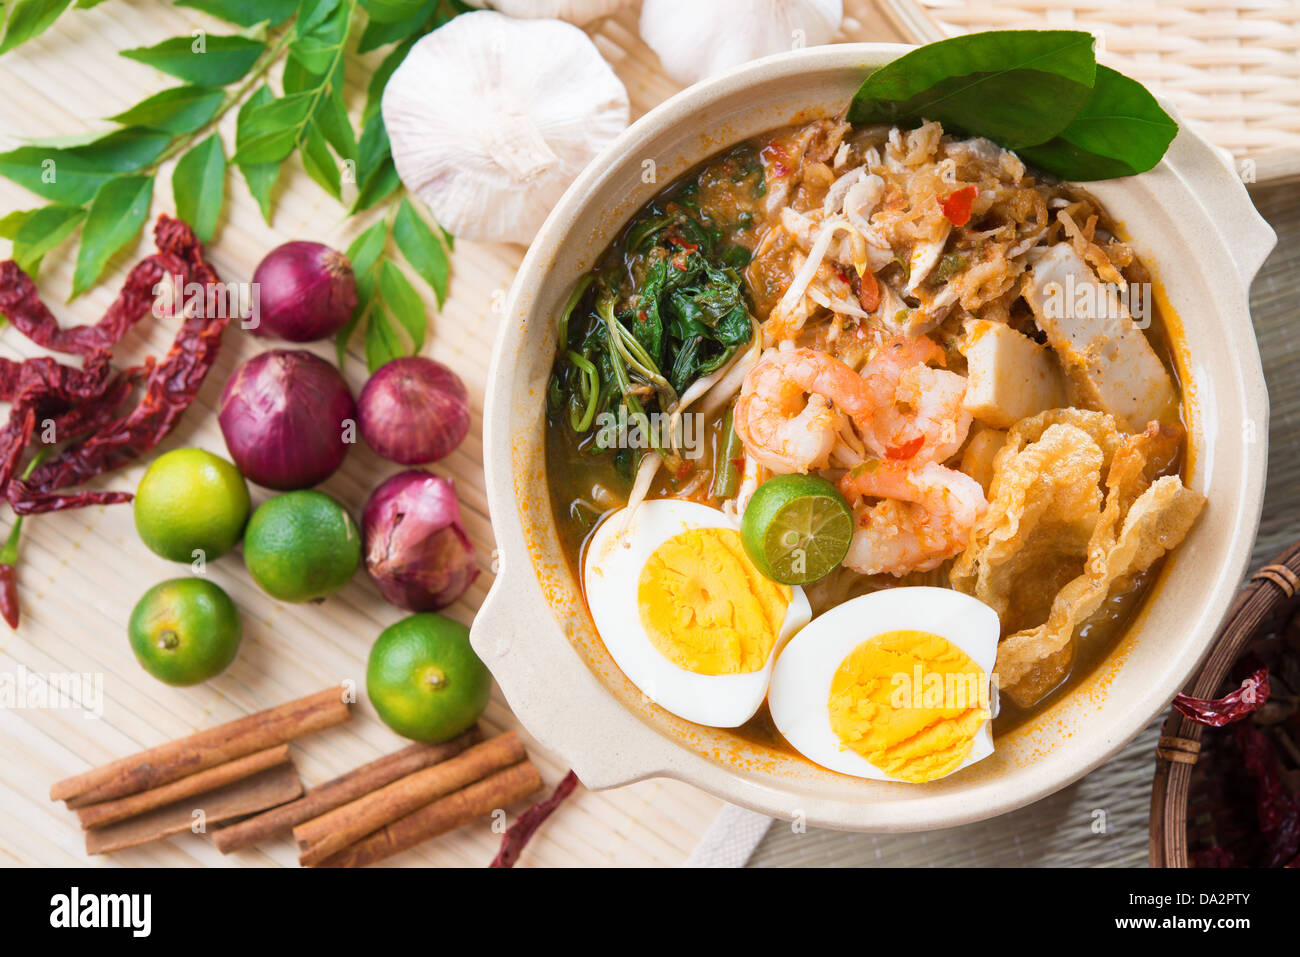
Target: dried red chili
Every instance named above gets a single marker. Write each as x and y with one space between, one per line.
956 206
1238 704
83 403
9 595
519 833
170 388
20 301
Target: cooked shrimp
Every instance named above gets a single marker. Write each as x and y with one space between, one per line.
918 412
925 516
788 413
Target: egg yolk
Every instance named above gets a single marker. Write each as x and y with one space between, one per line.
706 607
910 702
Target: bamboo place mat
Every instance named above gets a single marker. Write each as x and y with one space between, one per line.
1101 820
1231 67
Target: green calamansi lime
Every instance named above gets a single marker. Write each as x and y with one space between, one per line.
301 546
191 505
797 528
425 680
184 631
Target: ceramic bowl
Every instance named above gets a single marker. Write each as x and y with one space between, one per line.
1190 219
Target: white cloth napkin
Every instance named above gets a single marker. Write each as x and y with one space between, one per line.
730 840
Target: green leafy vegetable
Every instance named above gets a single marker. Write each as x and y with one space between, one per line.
102 183
379 33
1017 87
271 130
260 177
29 18
245 13
1121 131
181 109
199 186
73 175
117 212
392 11
400 296
42 231
1039 92
319 162
202 59
12 222
421 248
664 309
363 254
382 342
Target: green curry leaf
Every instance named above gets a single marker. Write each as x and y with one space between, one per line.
116 214
203 59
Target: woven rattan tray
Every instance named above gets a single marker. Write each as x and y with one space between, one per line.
1270 598
1231 67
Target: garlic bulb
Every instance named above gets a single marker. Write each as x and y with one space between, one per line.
575 11
697 39
491 118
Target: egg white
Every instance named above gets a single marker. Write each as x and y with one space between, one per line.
612 567
801 681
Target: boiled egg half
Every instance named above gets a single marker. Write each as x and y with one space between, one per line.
684 612
893 685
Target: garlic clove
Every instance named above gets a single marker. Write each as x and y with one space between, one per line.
695 40
491 118
575 11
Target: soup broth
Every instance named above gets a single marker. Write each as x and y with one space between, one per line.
735 220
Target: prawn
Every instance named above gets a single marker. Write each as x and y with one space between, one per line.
918 411
925 516
788 412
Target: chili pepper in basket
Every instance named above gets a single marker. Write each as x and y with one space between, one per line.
1279 812
1215 856
519 833
1241 703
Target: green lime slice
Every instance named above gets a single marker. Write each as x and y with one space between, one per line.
797 528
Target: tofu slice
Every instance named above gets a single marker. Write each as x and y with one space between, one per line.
1008 376
1108 360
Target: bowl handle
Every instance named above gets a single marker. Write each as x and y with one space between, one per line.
1220 189
604 753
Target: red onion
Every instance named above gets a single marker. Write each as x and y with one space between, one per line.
416 549
413 411
286 415
306 291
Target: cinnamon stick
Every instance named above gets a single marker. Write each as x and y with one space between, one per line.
248 796
341 790
109 812
203 750
446 814
335 830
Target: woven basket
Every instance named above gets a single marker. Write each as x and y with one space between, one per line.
1231 67
1270 599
